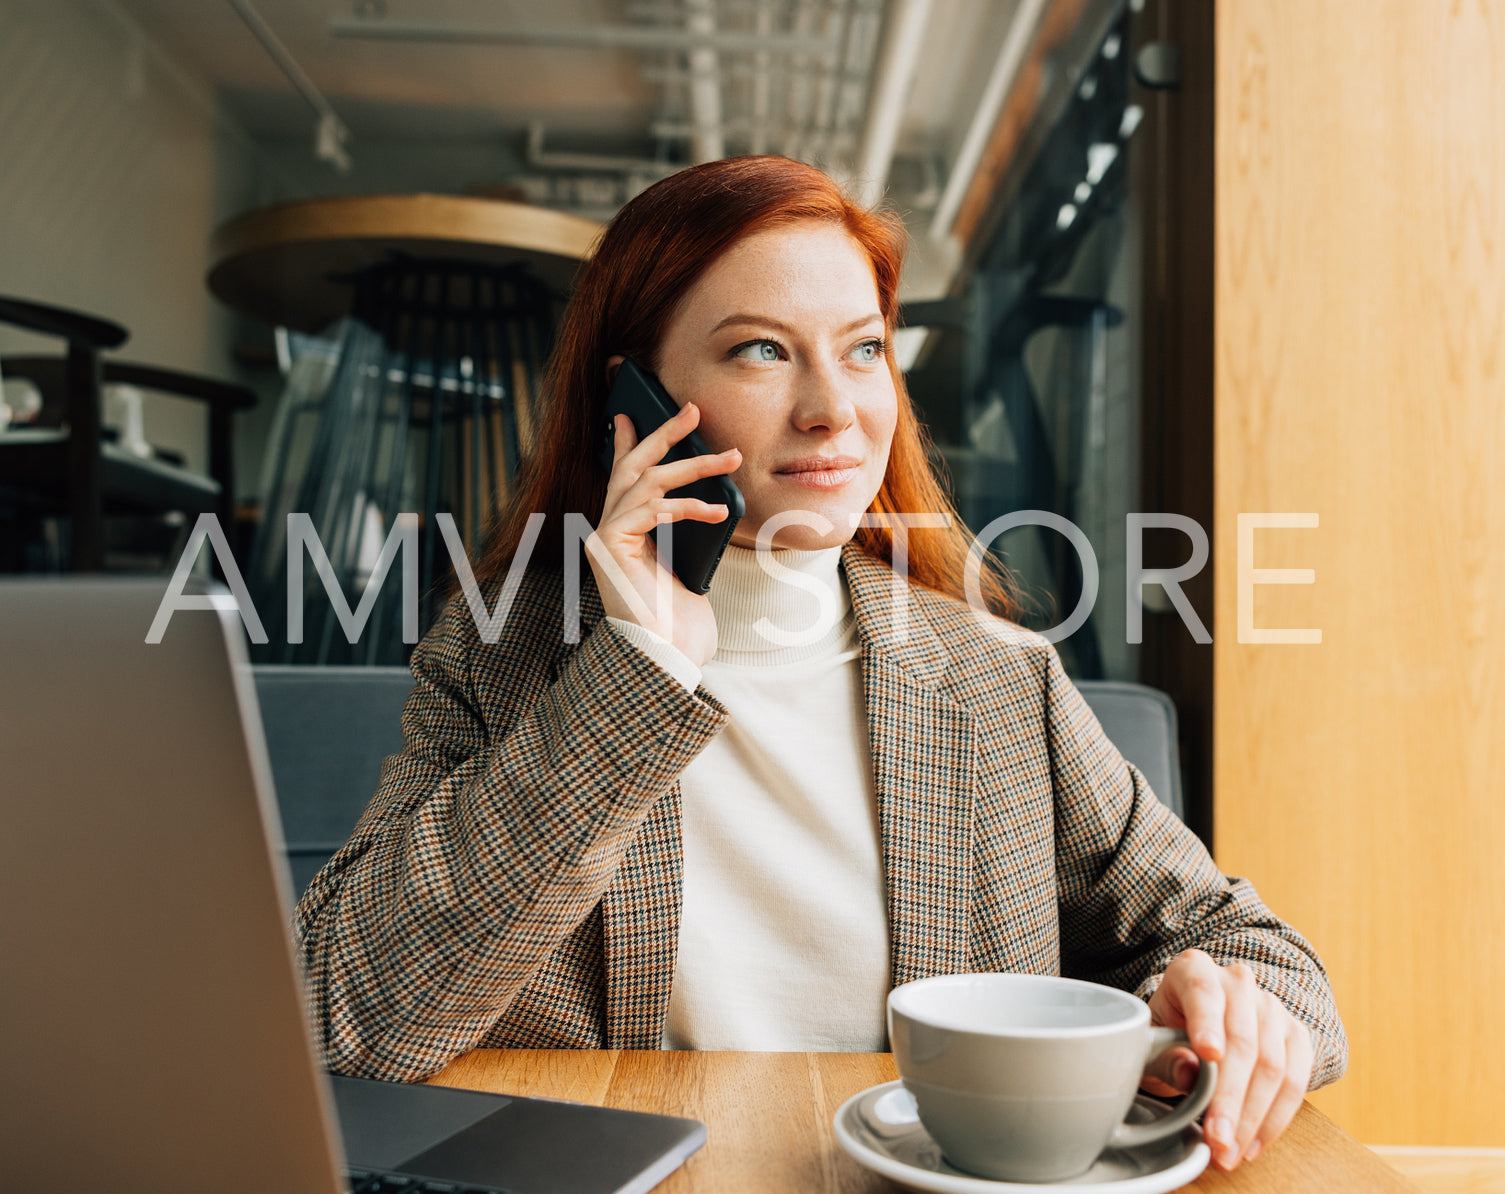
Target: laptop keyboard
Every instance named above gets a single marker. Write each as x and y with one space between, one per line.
386 1183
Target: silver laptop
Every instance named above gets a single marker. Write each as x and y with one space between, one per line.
153 1034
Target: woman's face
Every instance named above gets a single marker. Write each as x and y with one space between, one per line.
781 345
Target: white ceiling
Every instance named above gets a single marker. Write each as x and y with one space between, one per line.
588 99
397 90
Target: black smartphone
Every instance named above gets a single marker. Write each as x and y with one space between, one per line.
696 547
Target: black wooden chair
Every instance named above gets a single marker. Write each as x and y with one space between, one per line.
62 464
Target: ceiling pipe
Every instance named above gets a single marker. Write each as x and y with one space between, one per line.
1015 45
685 130
797 109
898 57
707 139
761 83
654 10
844 137
863 26
736 70
856 79
543 159
584 37
841 18
331 137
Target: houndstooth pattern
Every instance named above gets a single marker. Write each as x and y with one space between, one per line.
516 879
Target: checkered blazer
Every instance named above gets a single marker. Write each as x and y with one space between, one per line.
516 878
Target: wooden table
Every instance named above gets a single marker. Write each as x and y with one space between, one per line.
769 1115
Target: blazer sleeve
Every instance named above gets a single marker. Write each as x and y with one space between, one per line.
479 854
1137 886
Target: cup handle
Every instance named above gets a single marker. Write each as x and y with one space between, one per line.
1133 1135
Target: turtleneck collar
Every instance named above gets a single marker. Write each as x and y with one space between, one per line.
799 624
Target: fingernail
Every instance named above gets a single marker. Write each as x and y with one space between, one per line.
731 452
1253 1150
1186 1074
1220 1130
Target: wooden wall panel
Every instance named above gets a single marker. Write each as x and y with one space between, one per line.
1360 375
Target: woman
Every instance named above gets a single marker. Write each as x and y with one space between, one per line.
736 820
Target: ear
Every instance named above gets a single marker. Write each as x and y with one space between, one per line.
613 362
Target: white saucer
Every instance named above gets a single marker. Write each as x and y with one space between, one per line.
882 1131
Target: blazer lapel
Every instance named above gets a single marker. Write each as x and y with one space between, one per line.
923 747
640 910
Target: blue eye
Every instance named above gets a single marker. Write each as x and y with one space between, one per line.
870 351
762 350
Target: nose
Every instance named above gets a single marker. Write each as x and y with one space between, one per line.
823 401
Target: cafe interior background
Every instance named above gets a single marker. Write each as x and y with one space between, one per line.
1168 256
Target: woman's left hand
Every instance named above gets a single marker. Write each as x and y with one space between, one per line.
1264 1053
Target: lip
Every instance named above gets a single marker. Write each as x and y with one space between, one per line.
821 478
821 472
821 464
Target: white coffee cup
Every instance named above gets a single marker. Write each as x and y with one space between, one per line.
1027 1077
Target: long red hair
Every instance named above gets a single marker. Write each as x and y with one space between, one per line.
649 256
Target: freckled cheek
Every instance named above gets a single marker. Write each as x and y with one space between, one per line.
880 424
724 426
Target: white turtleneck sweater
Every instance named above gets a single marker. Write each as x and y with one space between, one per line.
783 940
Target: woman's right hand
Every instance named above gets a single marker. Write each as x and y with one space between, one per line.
621 554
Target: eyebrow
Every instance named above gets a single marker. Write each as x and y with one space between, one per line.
767 321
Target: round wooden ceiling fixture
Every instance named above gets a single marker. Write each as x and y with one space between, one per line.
292 263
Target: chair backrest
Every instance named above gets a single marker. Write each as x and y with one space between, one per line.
1141 722
328 730
78 473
